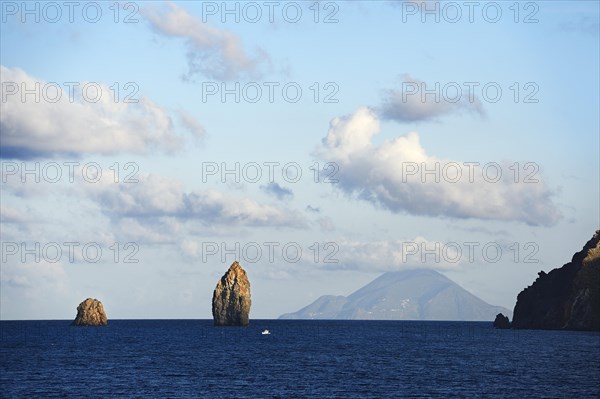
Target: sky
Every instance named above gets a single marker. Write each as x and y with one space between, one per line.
145 146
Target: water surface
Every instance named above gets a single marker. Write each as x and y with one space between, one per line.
301 358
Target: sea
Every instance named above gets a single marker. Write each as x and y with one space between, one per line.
298 359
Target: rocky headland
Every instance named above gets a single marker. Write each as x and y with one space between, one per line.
567 297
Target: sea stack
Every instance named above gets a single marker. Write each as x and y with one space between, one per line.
90 313
566 298
231 298
502 322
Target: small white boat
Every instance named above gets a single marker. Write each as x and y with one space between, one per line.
265 332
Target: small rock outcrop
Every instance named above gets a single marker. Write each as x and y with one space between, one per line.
231 298
502 322
90 313
567 297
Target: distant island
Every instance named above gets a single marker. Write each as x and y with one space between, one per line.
418 294
566 298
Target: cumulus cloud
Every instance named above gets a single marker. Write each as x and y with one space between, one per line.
413 102
276 190
392 255
213 53
393 176
156 199
70 123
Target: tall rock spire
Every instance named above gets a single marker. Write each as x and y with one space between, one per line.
231 298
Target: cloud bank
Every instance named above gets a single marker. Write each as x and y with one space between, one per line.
393 176
74 124
156 200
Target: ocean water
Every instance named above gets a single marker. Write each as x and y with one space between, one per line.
317 359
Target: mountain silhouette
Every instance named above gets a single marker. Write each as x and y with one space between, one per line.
418 294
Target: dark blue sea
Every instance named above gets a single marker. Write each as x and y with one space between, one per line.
317 359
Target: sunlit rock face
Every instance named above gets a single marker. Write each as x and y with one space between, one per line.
90 313
231 298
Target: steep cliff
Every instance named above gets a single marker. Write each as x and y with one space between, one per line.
566 298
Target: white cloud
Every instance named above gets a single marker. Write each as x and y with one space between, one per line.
75 125
158 199
392 255
212 52
413 104
381 174
419 252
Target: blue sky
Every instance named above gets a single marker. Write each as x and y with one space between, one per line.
374 60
